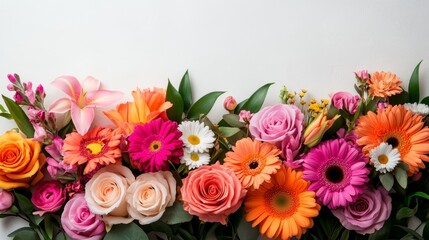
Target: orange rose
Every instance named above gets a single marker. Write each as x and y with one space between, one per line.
20 162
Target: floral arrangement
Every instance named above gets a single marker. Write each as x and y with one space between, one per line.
349 167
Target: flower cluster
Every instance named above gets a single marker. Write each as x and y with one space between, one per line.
349 167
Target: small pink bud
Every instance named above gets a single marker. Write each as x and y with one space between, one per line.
28 86
382 105
18 97
245 116
362 75
12 79
40 91
6 200
230 104
10 87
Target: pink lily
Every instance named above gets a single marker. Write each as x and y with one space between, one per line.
83 100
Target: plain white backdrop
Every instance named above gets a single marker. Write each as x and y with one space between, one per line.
234 46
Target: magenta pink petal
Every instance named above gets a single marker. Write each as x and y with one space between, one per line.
69 85
102 98
82 118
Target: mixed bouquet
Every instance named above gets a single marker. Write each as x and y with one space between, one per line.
351 167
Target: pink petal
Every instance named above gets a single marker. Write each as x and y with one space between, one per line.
60 106
102 98
70 85
90 84
82 118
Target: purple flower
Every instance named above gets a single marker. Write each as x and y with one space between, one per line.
368 213
6 200
273 123
345 101
49 196
79 222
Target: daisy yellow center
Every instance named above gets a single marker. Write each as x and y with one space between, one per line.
95 147
155 146
383 159
194 139
195 157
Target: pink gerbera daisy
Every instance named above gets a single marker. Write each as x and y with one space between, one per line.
336 171
153 144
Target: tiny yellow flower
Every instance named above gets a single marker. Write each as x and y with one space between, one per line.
325 101
291 95
301 95
313 101
292 101
304 90
303 102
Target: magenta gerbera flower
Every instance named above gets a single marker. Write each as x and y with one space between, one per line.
336 171
153 144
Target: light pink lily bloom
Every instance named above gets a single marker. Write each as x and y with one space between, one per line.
83 100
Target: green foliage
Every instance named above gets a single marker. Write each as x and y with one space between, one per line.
413 85
203 105
387 180
401 98
24 203
19 117
176 214
254 102
126 232
174 113
25 233
185 91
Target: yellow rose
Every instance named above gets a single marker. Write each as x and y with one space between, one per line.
20 162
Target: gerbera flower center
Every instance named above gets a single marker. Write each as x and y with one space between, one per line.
155 146
393 141
253 164
334 174
195 157
95 147
194 139
282 203
383 159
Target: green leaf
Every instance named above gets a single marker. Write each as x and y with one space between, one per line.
233 120
245 230
410 231
19 117
185 91
403 97
240 106
2 109
176 214
425 100
49 227
62 236
345 235
6 115
413 85
66 129
416 194
402 177
406 212
372 105
14 209
126 231
176 111
228 131
387 180
254 103
24 203
383 233
24 233
186 235
426 230
159 226
203 105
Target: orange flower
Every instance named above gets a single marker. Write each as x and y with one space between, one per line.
400 128
283 208
384 84
148 105
20 162
313 133
253 162
100 146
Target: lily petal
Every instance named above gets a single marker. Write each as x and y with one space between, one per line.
69 85
102 98
82 118
90 84
60 106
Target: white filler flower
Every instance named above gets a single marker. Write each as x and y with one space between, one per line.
418 108
195 159
384 158
196 136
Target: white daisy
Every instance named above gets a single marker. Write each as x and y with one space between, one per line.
384 158
196 136
418 108
195 159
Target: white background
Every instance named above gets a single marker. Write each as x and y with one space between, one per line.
235 46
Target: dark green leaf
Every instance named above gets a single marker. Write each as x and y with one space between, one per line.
372 104
245 230
25 233
233 120
426 231
403 97
186 235
410 231
228 131
126 232
14 209
405 212
358 90
19 117
254 103
425 100
2 109
176 111
417 194
62 236
387 180
383 233
240 106
185 91
162 227
203 105
24 203
413 85
6 115
49 227
36 219
66 129
345 235
176 214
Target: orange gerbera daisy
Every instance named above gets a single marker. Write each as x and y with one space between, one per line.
148 105
283 208
100 146
400 128
253 162
384 84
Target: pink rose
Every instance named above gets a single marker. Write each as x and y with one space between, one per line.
368 213
212 193
149 195
79 222
49 196
273 123
345 101
105 193
6 200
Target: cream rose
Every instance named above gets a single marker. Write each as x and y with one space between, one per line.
149 195
106 191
